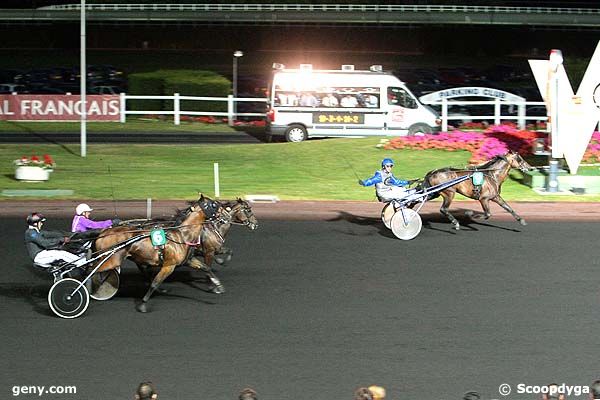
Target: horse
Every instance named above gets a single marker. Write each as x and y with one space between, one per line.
494 172
212 238
181 239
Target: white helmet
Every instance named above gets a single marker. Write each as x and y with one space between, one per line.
83 208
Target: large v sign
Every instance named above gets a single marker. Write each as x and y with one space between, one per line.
576 115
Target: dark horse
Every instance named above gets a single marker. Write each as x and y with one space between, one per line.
494 172
212 238
181 239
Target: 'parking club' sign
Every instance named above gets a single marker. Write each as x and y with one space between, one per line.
58 108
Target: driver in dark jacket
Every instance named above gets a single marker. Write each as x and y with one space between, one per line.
43 246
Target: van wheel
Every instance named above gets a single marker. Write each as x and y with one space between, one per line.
419 130
295 133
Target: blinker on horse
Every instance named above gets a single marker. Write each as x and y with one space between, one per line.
495 172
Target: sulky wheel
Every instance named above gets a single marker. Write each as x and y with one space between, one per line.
105 285
68 299
406 224
386 214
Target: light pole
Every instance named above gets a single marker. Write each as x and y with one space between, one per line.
83 74
237 54
555 61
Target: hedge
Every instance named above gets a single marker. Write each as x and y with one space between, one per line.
184 82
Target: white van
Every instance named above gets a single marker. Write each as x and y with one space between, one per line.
309 103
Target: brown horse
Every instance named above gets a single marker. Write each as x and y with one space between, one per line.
494 172
212 238
180 241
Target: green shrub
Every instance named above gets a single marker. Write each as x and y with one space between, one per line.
184 82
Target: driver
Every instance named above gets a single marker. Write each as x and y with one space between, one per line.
82 222
42 246
387 186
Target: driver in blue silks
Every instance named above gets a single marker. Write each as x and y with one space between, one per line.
387 186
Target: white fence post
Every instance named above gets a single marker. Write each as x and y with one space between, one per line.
148 208
122 107
444 115
497 111
230 109
217 188
176 108
521 114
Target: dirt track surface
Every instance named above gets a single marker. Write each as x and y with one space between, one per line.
306 210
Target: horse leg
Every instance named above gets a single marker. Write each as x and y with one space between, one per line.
223 255
217 287
485 205
145 270
448 197
164 272
500 201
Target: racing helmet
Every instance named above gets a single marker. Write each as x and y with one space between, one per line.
80 209
34 218
387 161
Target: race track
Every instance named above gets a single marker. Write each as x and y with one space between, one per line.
316 309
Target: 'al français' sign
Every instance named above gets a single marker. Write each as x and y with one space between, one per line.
58 107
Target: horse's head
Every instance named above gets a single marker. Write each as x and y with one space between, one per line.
209 206
516 161
241 213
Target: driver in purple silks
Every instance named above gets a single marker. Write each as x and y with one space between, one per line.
82 221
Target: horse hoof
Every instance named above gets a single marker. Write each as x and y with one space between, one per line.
217 289
162 291
522 222
469 213
142 308
456 227
220 260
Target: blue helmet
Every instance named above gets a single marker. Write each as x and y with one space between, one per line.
387 161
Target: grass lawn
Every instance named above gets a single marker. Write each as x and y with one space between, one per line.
317 169
132 125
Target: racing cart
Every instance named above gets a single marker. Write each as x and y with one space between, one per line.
69 296
402 215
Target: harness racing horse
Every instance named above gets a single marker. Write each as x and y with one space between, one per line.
212 238
181 239
494 172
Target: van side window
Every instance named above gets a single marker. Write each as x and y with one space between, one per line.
400 97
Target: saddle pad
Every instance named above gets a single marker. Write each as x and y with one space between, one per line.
477 178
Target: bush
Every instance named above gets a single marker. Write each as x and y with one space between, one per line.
184 82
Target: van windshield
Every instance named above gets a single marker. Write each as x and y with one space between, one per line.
400 97
328 97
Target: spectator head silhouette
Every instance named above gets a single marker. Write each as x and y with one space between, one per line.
363 393
552 393
471 396
146 392
378 392
247 394
595 390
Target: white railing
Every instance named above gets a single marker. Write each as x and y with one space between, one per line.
521 116
231 113
177 112
325 8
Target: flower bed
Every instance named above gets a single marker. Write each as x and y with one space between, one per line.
497 139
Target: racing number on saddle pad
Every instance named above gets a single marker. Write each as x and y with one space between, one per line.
158 237
477 178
